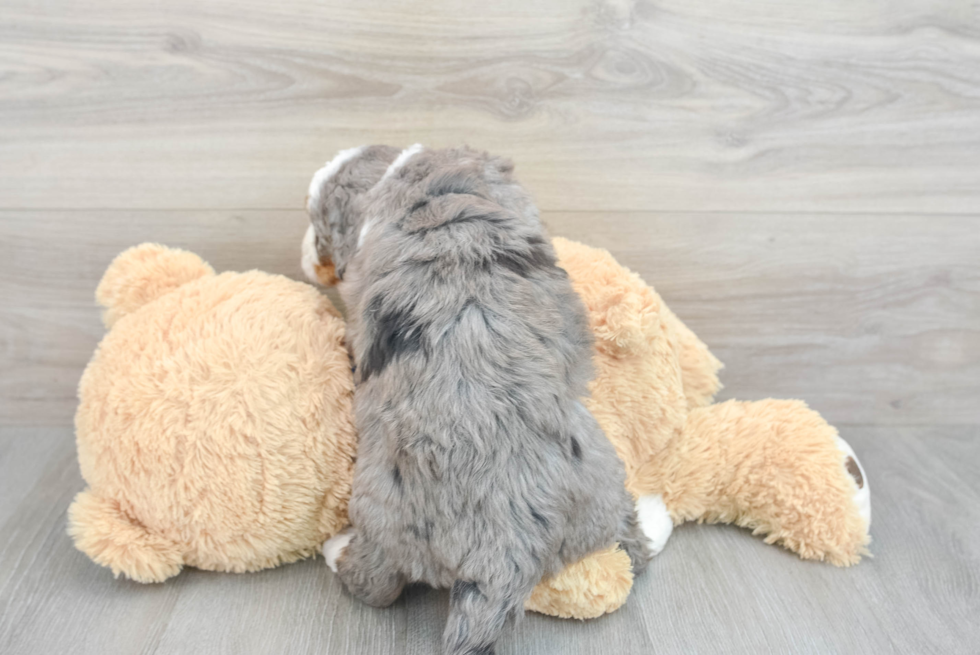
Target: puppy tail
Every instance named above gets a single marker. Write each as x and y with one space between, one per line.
478 613
110 538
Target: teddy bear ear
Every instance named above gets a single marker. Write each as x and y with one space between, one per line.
142 274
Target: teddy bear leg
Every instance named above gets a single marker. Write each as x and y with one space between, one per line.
364 568
862 495
110 538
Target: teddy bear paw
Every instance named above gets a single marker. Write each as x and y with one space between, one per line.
334 547
655 521
862 494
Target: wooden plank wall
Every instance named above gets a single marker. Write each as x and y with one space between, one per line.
800 181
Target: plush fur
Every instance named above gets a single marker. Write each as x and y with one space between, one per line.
774 466
478 466
193 360
214 424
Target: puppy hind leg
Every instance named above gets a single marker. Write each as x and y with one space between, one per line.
478 613
633 539
367 573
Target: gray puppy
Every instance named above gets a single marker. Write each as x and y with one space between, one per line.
478 468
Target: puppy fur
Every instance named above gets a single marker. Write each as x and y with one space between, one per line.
478 468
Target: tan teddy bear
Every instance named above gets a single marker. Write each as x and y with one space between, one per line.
774 466
214 429
214 424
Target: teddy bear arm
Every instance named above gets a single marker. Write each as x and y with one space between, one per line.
596 585
699 368
101 530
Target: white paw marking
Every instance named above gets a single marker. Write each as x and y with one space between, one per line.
334 547
862 496
310 258
329 170
405 155
655 521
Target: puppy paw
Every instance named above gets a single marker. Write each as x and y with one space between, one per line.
655 521
334 547
862 493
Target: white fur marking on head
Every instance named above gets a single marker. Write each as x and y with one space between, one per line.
310 257
329 170
862 496
334 547
364 231
655 521
405 155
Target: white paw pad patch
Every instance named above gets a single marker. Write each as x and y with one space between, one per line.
334 547
655 521
862 495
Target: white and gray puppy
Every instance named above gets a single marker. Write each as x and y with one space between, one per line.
478 467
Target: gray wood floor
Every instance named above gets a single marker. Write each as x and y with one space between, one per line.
800 181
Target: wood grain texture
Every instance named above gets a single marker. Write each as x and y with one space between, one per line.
871 319
764 105
713 589
799 180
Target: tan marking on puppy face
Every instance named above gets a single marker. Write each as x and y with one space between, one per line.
317 270
855 471
326 274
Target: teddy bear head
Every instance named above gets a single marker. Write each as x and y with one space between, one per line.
214 425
